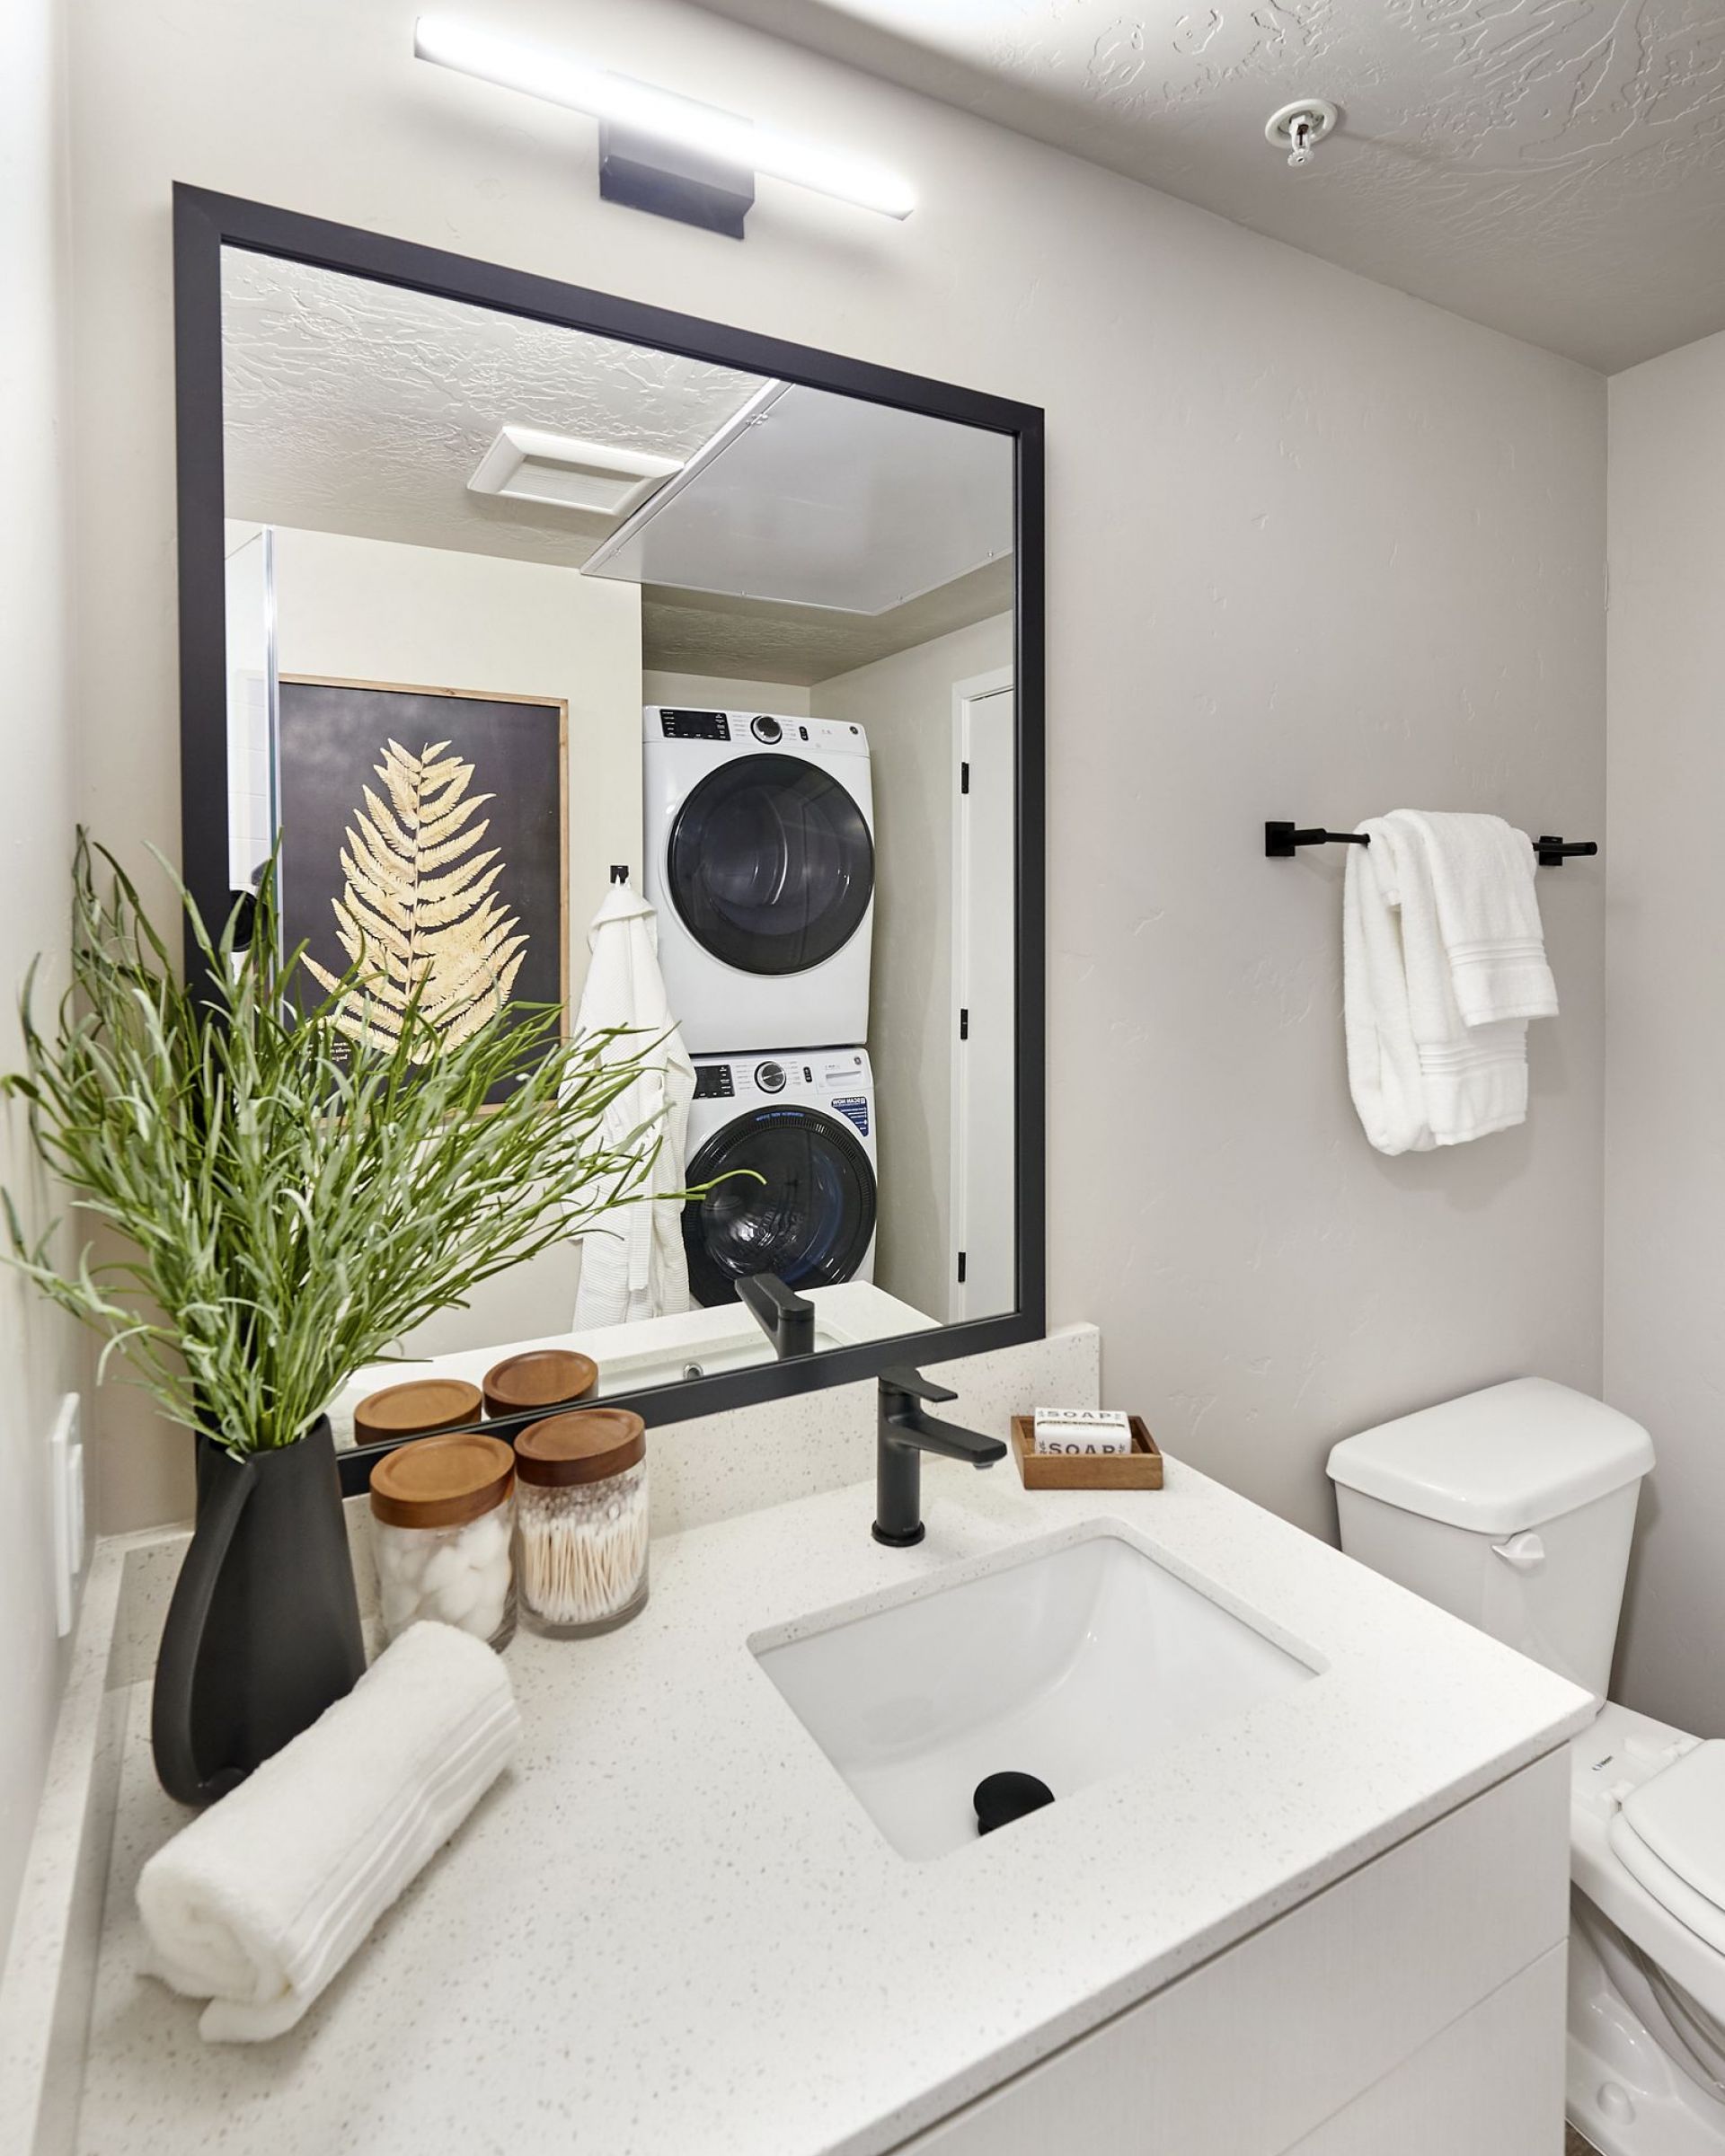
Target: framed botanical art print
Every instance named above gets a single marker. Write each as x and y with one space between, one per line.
428 841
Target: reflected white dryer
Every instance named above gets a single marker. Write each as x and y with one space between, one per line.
802 1121
759 858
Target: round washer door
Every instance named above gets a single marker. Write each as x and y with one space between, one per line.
770 865
810 1218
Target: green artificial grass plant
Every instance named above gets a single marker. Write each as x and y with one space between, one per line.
293 1201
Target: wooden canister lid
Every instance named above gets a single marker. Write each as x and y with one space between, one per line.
418 1409
442 1482
544 1377
584 1447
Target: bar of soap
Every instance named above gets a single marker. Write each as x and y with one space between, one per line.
1082 1430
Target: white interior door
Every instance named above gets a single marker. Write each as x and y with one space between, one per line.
982 1277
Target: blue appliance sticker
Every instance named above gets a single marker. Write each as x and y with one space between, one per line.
857 1109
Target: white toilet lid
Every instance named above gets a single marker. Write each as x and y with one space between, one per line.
1670 1835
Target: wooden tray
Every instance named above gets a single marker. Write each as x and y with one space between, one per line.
1140 1469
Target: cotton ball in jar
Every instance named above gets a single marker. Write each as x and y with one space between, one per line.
446 1566
455 1597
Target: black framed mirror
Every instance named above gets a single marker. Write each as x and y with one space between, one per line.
748 632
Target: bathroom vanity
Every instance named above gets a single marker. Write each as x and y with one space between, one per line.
1308 1892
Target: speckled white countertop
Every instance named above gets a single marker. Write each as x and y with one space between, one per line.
671 1931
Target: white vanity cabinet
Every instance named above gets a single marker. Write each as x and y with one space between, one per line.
1330 1922
1416 2006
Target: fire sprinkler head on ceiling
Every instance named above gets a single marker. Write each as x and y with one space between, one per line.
1299 127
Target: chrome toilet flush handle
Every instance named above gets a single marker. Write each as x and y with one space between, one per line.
1526 1553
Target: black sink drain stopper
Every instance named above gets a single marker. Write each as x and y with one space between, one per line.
1000 1799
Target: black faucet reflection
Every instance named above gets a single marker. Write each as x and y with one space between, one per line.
785 1317
903 1434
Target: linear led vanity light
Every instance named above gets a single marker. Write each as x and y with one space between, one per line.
729 142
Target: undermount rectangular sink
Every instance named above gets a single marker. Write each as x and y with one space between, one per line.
1070 1661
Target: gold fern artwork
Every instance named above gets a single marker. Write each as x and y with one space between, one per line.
420 914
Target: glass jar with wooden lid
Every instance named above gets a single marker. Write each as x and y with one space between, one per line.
442 1512
417 1409
540 1378
581 1529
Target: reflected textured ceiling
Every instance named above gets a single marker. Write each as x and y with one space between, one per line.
1555 168
355 407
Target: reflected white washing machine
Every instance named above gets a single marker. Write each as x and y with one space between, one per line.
803 1120
759 855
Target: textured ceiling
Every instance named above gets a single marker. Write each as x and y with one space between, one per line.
1555 168
355 407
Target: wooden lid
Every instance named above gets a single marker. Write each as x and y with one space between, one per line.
585 1448
545 1377
442 1482
415 1410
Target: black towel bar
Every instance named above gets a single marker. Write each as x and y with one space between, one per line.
1281 839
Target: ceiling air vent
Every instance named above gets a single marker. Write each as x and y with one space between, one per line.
528 465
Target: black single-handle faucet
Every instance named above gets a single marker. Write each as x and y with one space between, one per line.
785 1317
903 1434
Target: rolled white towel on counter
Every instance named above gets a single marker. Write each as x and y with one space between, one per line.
259 1902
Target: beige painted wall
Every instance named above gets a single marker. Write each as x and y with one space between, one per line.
369 609
1665 1143
905 704
1315 549
39 1354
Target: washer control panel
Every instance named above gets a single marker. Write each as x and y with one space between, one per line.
694 726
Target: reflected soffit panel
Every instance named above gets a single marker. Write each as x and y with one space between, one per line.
755 640
824 501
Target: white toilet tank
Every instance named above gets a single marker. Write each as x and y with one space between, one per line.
1511 1507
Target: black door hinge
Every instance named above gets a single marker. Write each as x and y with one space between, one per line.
960 1268
964 778
964 1025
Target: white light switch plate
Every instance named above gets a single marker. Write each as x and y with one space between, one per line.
65 1484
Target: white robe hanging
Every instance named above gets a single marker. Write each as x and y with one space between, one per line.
633 1264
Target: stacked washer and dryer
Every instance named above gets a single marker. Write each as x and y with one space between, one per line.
759 849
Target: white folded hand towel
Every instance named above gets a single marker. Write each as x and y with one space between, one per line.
261 1901
1481 871
1420 1076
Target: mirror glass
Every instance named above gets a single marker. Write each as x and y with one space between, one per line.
729 655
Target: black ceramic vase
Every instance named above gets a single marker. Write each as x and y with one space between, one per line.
263 1630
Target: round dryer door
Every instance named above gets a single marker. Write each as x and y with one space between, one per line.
810 1219
771 865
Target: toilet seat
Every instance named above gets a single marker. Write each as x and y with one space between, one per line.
1622 1753
1669 1835
1646 2010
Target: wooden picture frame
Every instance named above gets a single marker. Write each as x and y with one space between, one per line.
305 912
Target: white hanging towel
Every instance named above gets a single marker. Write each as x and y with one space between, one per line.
1419 1074
1488 914
633 1264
